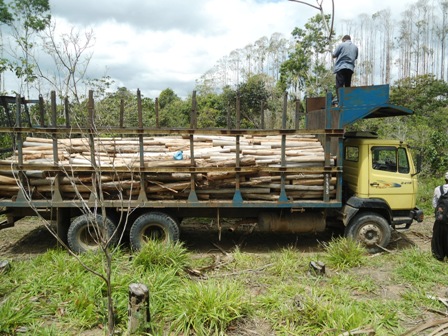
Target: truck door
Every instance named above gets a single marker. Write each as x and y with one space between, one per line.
390 176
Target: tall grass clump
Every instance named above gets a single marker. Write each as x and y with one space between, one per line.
207 308
343 253
156 255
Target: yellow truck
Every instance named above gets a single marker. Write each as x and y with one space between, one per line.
381 186
146 181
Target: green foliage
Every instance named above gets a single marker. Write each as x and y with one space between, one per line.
252 94
210 109
155 254
286 261
15 313
274 288
26 17
419 269
355 282
174 112
208 308
34 14
428 98
435 152
344 253
306 70
5 14
108 109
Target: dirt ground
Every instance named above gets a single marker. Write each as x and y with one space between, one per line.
29 237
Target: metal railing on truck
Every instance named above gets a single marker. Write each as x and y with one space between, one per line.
66 185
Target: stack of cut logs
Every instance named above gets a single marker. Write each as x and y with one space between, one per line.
256 152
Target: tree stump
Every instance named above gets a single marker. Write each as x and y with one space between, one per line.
138 309
317 268
5 266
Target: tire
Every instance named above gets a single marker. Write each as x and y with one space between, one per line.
153 225
370 230
82 236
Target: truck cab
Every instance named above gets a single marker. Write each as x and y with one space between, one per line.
380 174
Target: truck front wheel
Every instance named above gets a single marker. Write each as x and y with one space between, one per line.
155 226
370 230
88 232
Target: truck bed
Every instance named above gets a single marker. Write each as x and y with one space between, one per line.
213 168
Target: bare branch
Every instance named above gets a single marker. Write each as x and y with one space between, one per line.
305 3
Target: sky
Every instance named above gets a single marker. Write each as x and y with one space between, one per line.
157 44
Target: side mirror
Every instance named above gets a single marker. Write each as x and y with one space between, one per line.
419 163
418 167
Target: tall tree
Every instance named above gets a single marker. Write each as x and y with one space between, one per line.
71 54
306 70
384 22
29 18
441 33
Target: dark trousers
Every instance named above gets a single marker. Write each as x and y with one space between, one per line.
439 241
343 79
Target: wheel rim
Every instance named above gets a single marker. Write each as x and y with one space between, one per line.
88 238
370 235
153 232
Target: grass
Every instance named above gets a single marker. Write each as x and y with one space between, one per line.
53 295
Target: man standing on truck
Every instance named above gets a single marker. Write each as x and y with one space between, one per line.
346 54
439 241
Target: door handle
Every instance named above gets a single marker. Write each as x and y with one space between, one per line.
374 184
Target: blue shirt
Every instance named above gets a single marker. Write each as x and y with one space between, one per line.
346 54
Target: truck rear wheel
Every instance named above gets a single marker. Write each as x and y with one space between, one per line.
370 230
86 233
153 225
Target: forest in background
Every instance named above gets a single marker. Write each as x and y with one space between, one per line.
406 51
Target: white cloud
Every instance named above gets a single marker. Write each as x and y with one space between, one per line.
154 44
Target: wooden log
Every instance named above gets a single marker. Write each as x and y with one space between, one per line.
166 163
232 191
86 162
120 185
28 173
83 179
7 180
261 197
226 175
245 161
9 188
64 188
277 186
38 140
313 181
174 187
40 181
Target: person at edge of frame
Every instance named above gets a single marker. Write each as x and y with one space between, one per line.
439 240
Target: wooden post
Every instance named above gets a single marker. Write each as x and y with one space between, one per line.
41 111
263 126
67 112
138 309
156 107
297 115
